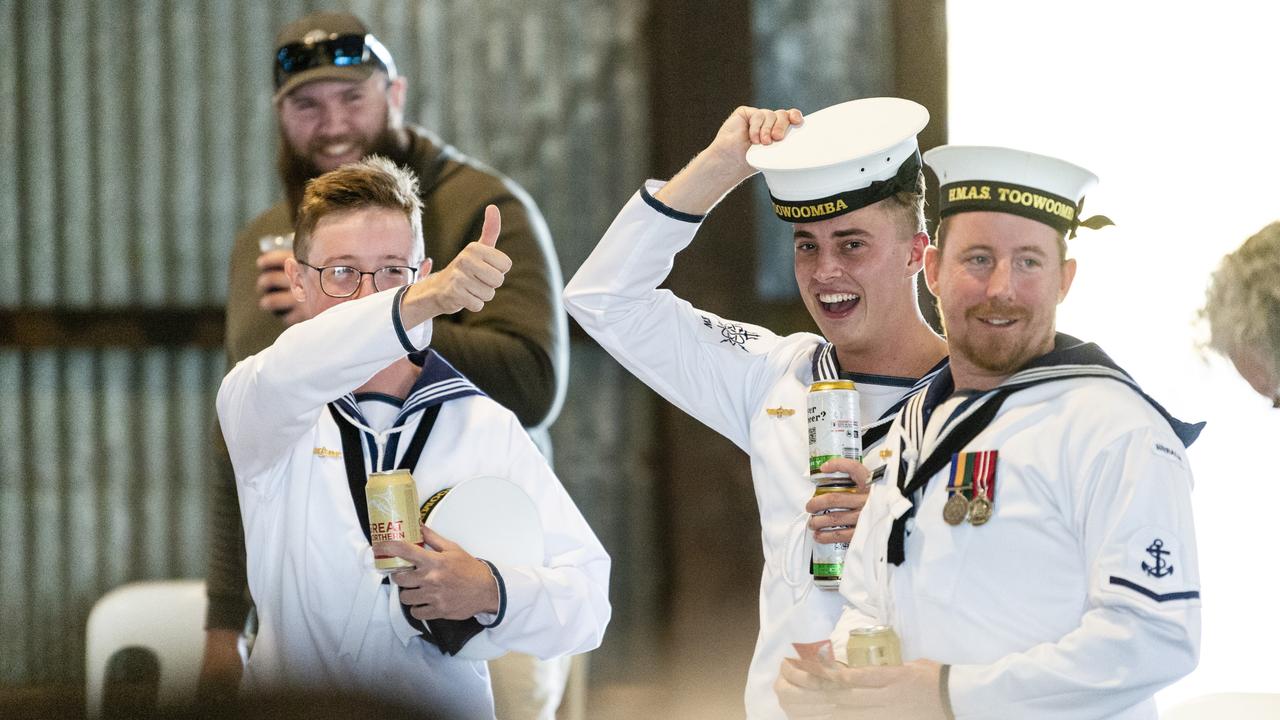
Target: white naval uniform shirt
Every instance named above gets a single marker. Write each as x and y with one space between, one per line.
325 618
729 376
1055 608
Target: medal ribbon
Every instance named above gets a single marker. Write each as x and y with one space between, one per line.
1070 358
958 483
984 475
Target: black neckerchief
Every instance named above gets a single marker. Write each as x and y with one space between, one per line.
1070 358
438 383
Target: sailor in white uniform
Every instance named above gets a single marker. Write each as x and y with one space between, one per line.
337 397
849 181
1032 540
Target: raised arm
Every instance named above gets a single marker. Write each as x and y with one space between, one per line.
712 368
722 166
270 399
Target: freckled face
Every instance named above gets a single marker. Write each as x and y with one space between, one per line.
999 279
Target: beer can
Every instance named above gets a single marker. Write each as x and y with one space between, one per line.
392 498
267 243
835 428
827 562
876 645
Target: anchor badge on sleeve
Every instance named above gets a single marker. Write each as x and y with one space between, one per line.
1160 568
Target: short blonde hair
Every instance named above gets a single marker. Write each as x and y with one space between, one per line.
1243 300
909 206
374 182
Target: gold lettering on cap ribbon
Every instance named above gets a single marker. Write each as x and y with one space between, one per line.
809 211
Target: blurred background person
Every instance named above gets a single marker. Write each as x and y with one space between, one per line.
1242 306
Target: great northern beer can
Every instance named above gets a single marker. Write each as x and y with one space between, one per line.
392 497
876 645
835 427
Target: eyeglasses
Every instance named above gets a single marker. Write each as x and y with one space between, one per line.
336 50
343 281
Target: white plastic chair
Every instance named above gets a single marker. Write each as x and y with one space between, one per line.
165 617
1227 706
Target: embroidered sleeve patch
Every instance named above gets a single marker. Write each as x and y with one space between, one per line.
1152 566
1153 553
1171 454
729 333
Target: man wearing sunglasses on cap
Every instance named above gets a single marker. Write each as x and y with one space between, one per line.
339 98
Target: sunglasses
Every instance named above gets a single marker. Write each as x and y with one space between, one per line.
338 51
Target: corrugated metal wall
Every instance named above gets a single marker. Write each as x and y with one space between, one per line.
103 482
135 137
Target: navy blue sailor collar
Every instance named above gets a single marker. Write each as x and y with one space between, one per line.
1070 357
437 383
824 365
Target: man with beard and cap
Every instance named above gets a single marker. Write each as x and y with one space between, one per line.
848 179
1032 541
338 98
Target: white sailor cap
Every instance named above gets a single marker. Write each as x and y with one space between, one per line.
997 179
465 513
843 158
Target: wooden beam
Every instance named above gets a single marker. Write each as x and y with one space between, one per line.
129 327
920 74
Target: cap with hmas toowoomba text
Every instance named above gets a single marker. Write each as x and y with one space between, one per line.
996 179
843 158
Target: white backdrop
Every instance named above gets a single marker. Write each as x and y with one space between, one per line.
1176 107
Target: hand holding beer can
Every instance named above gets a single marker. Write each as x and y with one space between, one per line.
827 562
875 645
392 498
273 283
834 432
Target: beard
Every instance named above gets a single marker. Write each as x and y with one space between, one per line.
1001 353
297 169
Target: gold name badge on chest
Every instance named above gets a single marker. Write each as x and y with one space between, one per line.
971 488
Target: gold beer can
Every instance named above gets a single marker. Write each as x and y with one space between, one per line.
392 497
875 645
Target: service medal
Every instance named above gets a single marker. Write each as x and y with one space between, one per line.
955 509
979 511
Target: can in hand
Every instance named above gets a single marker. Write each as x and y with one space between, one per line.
875 645
835 427
834 432
267 243
827 562
392 498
